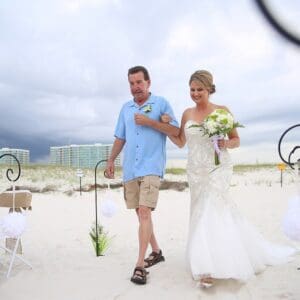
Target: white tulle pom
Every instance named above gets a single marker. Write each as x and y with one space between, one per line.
291 220
108 207
13 224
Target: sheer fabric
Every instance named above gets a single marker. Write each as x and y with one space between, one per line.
221 242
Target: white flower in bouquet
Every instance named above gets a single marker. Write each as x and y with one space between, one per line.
210 126
217 125
219 122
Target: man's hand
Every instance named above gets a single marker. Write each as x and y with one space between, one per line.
141 119
165 128
110 170
165 118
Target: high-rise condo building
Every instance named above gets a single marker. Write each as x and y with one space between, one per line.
81 156
21 154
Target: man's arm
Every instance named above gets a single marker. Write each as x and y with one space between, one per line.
165 128
115 151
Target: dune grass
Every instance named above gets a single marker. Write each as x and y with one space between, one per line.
176 171
39 171
236 168
253 167
50 177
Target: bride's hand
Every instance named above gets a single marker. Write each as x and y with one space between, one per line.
222 144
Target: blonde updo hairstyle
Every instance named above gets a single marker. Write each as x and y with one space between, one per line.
205 78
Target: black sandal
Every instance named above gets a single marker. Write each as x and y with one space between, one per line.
153 259
139 275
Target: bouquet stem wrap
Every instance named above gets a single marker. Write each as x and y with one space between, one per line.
215 139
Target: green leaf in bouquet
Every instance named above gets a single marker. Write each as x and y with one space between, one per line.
237 124
195 125
224 121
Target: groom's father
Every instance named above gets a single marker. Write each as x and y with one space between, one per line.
143 137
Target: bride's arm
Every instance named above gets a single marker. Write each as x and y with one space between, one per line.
180 140
233 140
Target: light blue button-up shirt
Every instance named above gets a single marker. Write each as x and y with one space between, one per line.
145 147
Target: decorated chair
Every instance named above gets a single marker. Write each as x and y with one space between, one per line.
13 225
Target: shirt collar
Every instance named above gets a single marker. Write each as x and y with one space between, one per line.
150 100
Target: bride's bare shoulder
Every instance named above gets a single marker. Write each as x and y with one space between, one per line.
187 114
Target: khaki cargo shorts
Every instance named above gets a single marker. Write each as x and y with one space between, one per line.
142 191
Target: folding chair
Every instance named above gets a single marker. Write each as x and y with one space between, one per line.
13 225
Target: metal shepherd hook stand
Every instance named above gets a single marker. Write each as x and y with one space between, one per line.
11 171
96 206
291 153
288 162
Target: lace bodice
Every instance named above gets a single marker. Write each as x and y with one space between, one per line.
201 150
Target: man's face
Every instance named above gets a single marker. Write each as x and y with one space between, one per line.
139 87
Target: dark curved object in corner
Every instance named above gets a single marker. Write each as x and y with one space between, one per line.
276 24
292 152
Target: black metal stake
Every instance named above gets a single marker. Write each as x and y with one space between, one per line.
79 173
80 185
281 177
96 207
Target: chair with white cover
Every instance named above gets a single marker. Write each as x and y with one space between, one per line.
13 225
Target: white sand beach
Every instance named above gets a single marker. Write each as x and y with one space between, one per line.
65 266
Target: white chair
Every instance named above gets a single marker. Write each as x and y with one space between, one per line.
13 224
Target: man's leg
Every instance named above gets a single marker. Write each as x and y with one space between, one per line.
149 191
145 233
147 198
153 241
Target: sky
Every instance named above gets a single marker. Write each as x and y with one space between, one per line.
64 63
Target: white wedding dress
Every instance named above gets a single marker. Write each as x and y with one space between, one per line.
221 242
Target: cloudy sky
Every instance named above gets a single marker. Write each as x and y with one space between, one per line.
63 68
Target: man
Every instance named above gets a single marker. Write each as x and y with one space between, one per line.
143 137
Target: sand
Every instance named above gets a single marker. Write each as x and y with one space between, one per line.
65 266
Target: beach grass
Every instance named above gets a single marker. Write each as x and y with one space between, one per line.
39 172
253 167
43 178
176 171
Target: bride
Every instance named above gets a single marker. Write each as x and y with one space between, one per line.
221 243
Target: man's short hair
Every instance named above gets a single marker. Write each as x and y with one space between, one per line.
137 69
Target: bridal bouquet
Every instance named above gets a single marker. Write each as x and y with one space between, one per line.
217 125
